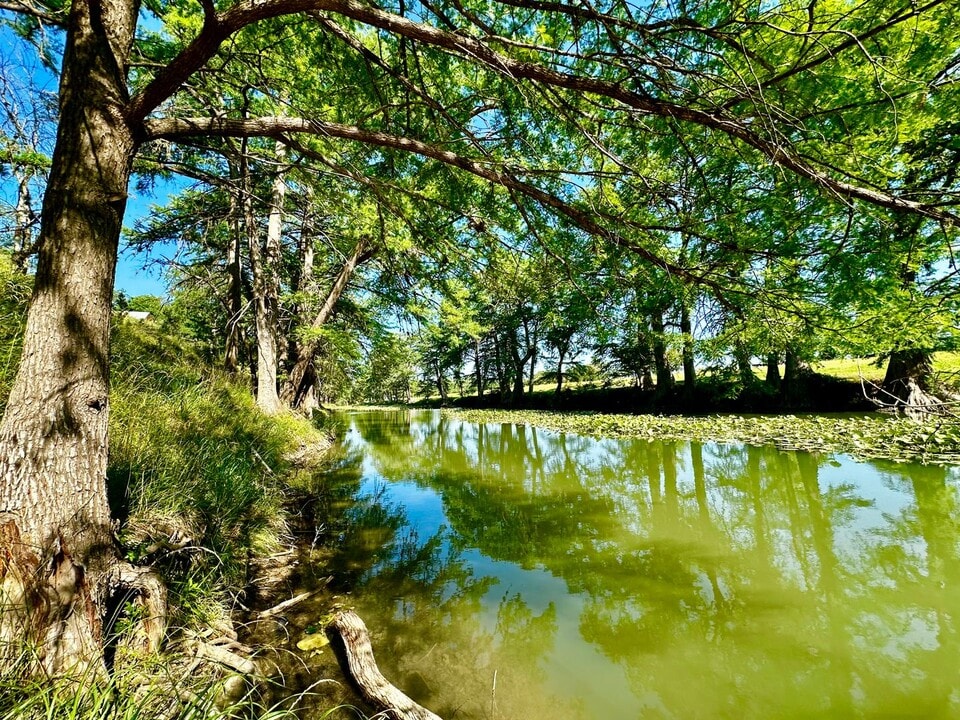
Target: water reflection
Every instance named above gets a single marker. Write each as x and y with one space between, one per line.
519 573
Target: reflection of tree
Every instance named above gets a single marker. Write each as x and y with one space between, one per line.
739 566
937 506
911 580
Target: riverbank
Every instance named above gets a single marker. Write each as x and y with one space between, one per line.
865 436
809 392
199 483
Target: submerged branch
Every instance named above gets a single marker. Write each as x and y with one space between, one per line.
347 627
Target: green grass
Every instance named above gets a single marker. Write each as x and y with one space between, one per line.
169 693
945 364
14 291
192 457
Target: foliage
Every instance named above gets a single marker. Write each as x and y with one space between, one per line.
14 290
388 374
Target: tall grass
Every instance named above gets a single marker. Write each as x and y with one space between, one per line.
194 464
162 696
14 291
196 479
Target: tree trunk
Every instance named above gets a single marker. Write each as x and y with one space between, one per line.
689 366
234 334
499 366
302 284
263 264
646 382
789 388
519 363
532 344
561 354
441 386
744 368
59 564
660 361
773 370
532 373
478 367
302 376
906 385
22 218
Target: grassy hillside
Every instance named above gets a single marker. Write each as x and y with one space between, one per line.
197 481
945 364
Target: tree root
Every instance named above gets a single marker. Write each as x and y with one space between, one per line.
222 656
144 589
292 602
908 399
360 666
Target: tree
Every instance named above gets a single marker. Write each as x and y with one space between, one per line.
56 528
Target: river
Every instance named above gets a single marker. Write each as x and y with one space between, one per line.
513 572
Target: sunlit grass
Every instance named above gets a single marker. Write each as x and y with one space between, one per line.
164 692
197 478
196 471
945 363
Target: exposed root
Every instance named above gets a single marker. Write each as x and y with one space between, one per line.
914 402
146 594
292 602
347 627
222 656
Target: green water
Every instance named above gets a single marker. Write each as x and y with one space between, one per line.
510 572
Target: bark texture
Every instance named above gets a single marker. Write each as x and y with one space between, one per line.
906 385
362 668
265 303
58 567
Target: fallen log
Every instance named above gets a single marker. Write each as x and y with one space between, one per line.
347 629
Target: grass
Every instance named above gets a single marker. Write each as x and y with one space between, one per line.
191 459
946 364
196 478
134 697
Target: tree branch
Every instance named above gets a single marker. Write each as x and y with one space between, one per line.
52 16
217 29
276 127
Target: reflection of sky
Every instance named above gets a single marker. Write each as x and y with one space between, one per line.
423 509
574 669
843 471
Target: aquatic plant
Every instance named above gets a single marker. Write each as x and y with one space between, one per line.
861 436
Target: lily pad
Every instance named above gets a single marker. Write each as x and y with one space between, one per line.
313 643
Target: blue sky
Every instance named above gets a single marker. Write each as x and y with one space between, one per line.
137 274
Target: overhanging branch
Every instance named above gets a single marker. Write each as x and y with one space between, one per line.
779 152
277 127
